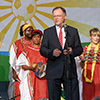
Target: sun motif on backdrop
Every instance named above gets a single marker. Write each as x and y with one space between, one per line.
14 13
24 11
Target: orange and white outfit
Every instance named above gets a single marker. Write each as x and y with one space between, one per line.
31 87
15 51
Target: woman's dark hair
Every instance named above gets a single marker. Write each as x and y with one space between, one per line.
21 30
64 11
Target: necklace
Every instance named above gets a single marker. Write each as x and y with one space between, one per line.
93 64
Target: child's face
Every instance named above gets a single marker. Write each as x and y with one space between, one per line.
95 37
36 39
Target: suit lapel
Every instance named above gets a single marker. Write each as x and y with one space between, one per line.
56 39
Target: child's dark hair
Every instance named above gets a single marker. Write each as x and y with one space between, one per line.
35 32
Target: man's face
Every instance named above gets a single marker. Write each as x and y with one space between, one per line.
28 32
59 17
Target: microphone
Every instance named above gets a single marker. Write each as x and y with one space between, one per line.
67 57
65 29
66 32
64 25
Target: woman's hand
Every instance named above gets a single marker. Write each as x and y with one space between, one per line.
15 76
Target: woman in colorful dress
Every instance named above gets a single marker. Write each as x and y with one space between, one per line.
91 68
33 85
17 47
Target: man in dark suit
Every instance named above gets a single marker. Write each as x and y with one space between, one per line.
61 66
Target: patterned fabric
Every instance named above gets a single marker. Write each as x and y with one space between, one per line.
91 90
40 71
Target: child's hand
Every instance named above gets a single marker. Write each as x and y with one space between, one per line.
82 64
34 66
81 57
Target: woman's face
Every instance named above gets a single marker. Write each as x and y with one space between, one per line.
28 32
95 38
36 39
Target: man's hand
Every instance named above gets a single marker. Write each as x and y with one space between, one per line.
69 50
56 53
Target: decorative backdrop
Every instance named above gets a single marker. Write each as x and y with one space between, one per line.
82 14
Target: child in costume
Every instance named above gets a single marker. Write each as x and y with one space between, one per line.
91 68
33 85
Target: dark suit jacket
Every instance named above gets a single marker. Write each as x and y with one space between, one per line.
55 65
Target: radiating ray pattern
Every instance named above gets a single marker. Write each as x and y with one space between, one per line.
82 14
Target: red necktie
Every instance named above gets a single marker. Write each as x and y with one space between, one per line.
61 36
